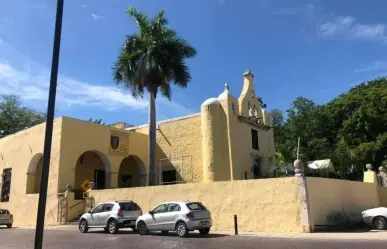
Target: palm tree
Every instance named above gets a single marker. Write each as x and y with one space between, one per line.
151 60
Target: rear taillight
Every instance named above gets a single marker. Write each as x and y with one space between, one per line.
119 212
190 215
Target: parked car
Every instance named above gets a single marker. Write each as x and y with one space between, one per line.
111 216
6 218
178 216
375 217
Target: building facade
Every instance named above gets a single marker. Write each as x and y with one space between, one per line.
230 139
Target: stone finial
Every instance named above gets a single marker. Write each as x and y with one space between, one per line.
248 72
226 88
298 168
369 167
68 187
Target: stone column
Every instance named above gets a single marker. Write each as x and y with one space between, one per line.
382 177
370 175
306 221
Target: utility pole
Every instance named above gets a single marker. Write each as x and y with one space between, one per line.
49 126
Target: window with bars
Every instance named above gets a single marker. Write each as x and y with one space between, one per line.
254 139
6 186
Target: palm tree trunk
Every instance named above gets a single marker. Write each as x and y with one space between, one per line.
152 136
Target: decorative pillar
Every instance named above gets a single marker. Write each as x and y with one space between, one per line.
299 169
382 177
370 175
306 221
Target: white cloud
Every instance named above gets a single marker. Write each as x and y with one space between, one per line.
97 17
34 86
348 27
83 5
375 66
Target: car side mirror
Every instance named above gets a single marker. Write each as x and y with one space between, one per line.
151 212
90 212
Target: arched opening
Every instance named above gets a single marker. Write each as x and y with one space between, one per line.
92 166
34 174
131 173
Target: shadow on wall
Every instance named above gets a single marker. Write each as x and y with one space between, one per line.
341 221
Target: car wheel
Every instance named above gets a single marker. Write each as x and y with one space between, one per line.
181 229
204 231
164 233
141 228
83 227
112 227
9 225
379 223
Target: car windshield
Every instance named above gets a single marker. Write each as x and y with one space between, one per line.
196 206
129 206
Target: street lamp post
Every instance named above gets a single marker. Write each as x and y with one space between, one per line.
49 126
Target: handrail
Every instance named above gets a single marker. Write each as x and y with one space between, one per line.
76 204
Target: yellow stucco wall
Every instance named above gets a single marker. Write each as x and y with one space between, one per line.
179 139
261 205
17 152
330 198
383 196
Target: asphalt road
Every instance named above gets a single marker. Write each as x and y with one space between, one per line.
68 239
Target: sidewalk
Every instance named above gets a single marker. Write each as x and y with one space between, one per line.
357 235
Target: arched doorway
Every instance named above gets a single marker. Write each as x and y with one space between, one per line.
93 166
34 174
131 173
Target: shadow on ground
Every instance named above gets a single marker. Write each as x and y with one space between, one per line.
170 234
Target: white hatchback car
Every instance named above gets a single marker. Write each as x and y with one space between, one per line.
375 217
178 216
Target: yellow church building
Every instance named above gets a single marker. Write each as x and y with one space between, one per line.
229 139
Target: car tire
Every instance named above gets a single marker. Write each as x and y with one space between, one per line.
379 223
181 229
141 228
165 233
204 231
112 227
9 225
83 226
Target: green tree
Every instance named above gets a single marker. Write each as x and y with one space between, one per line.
351 129
96 121
15 117
152 59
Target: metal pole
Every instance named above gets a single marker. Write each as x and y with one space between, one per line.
298 148
236 224
49 126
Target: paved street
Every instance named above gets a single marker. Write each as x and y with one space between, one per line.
70 239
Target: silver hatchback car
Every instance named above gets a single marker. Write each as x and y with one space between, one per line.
178 216
111 216
6 218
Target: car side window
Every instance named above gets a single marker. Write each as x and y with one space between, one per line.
98 208
107 207
173 207
160 209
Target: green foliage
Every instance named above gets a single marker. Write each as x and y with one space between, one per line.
96 121
351 129
153 58
15 117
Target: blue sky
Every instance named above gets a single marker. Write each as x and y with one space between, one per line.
311 48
